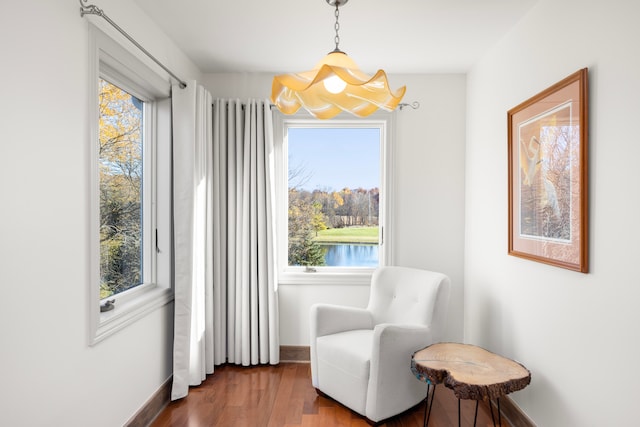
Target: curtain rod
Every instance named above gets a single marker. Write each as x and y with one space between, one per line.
415 105
94 10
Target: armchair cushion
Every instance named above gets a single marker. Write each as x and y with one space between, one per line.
343 366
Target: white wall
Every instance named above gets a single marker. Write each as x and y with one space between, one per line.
428 161
575 332
50 375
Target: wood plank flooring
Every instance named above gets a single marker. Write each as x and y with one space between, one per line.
282 396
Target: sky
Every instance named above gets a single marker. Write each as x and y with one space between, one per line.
335 158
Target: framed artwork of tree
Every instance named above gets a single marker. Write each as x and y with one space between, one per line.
548 173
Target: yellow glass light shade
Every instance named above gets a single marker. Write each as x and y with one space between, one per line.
361 96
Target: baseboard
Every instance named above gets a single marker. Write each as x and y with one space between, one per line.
513 413
152 407
294 353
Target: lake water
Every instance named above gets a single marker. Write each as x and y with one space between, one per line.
347 255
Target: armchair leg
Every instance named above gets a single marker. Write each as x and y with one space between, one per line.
321 394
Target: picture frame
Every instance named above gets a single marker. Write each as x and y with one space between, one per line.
548 175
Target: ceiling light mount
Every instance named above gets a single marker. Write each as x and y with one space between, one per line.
334 85
337 4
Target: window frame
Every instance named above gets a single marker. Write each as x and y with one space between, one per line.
289 275
112 62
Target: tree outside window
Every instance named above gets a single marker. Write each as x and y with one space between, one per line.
121 180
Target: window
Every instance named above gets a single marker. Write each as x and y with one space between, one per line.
130 188
332 181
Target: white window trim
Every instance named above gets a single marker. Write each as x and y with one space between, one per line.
109 60
288 275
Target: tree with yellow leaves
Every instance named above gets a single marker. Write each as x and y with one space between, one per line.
121 172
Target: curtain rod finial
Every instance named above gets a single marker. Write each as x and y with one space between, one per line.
415 105
95 10
89 9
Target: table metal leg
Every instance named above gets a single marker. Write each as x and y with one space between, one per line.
475 417
491 409
428 405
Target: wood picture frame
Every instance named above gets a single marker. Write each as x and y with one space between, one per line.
548 174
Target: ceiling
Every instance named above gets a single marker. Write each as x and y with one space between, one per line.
400 36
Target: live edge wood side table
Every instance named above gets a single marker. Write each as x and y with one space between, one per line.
471 372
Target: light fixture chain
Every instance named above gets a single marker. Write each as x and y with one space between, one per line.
337 26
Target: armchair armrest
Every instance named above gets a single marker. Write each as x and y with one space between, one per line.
329 319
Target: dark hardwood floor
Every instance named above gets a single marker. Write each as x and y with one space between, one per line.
282 396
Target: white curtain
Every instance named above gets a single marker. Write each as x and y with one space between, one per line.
226 307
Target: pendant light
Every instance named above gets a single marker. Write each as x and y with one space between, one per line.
334 85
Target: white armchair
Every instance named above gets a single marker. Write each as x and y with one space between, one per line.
362 357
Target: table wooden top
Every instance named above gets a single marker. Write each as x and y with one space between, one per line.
470 371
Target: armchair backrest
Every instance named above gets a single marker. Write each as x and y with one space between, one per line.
410 296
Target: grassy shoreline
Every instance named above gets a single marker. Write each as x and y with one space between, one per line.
353 235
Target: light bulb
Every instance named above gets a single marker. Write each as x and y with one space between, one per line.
334 84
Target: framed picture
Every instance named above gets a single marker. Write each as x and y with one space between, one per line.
548 210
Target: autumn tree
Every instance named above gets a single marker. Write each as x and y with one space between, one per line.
359 207
120 164
305 220
330 201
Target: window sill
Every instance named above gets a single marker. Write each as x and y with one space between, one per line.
128 311
355 276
